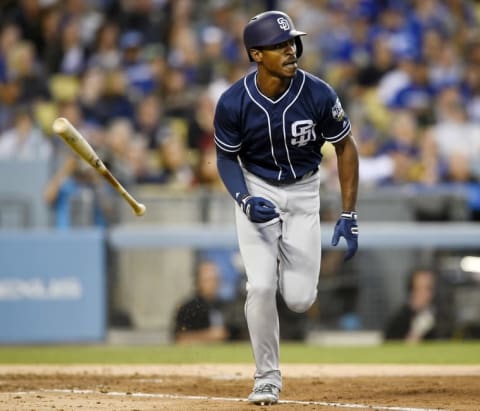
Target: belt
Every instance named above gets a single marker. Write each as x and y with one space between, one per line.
289 181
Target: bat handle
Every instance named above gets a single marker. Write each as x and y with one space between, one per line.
138 208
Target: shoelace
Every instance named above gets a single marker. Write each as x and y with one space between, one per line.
265 388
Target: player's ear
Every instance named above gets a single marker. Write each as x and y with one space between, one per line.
256 55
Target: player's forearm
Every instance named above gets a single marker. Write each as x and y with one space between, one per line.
347 161
231 174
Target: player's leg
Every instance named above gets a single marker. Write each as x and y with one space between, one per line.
259 249
256 245
300 246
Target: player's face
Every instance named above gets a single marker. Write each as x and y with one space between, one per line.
280 59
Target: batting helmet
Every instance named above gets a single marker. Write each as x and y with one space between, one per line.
269 28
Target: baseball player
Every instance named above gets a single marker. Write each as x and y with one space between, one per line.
269 129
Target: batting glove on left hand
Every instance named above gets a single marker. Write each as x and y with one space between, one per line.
347 228
257 209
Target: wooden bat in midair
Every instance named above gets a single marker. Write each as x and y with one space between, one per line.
71 136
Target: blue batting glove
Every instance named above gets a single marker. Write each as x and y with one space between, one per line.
347 228
257 209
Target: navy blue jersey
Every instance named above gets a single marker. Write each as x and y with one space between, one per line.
279 139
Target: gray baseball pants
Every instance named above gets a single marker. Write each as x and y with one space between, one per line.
284 253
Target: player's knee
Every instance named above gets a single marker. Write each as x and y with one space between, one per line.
260 291
300 303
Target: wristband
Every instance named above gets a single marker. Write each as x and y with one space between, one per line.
350 215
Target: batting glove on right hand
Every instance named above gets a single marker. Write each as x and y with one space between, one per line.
347 228
257 209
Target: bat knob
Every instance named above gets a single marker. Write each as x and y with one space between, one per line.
140 210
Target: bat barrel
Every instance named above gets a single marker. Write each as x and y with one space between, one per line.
60 125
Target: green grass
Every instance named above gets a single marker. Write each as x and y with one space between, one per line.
426 353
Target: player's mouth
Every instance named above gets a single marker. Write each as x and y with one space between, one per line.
291 63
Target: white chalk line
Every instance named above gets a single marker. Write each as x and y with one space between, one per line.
231 399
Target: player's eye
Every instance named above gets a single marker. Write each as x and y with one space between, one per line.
279 46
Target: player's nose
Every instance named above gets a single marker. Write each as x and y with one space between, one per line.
291 48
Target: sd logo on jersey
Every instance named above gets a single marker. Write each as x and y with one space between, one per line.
303 131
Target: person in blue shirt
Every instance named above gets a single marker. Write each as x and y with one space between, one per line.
76 183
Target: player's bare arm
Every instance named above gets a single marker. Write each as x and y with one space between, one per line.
346 226
347 162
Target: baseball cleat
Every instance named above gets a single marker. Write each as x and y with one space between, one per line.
265 394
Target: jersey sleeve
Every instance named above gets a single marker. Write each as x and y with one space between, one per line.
336 124
226 129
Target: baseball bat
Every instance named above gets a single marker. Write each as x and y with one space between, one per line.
71 136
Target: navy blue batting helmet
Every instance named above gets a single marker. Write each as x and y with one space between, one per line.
269 28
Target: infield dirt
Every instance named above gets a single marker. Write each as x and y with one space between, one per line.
223 387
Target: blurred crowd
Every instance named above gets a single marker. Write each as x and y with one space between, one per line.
140 80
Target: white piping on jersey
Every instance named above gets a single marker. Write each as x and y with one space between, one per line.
269 99
339 136
268 122
283 122
283 118
227 147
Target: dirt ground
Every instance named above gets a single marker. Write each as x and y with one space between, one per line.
225 387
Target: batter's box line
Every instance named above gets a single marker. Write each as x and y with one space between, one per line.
231 399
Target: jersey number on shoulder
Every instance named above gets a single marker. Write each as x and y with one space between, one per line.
303 131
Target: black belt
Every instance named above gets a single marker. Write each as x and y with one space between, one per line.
288 181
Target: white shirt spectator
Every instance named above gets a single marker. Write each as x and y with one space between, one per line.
28 146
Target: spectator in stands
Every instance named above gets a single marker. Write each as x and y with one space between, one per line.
211 64
148 120
446 69
401 145
230 270
78 195
418 94
121 143
9 88
417 319
117 99
471 91
27 16
380 63
395 80
206 175
25 70
9 39
200 319
178 98
88 17
452 120
73 53
105 53
51 50
25 141
150 18
200 124
92 90
138 72
174 169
